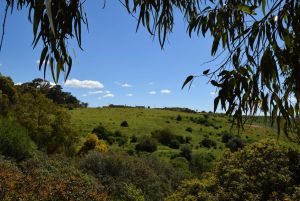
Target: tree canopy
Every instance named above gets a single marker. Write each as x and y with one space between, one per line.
258 42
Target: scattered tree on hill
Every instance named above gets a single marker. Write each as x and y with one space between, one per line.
124 124
178 118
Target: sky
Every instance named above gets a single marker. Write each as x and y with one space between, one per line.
118 65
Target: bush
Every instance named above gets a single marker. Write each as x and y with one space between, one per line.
48 124
146 144
133 139
124 124
235 144
201 162
261 171
226 136
44 178
186 152
101 132
110 137
203 121
168 138
180 139
14 141
208 143
189 129
178 118
93 143
188 139
174 144
153 178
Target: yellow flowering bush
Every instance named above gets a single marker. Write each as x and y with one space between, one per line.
93 143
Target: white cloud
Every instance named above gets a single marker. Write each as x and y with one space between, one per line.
89 84
18 83
95 92
129 95
276 18
165 91
108 96
108 92
125 85
152 92
92 93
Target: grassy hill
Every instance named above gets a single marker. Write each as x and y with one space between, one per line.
144 121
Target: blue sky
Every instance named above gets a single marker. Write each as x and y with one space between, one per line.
118 65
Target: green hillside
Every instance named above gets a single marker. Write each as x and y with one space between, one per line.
142 122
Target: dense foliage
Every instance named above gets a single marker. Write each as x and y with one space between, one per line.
15 141
47 124
53 92
44 178
261 171
153 177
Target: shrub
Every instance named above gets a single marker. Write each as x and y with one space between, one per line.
208 143
48 124
44 178
235 144
178 118
189 129
110 137
180 139
154 178
124 124
93 143
14 141
101 132
181 163
201 162
203 121
195 189
146 144
186 152
226 136
174 144
188 139
168 138
131 192
260 171
133 139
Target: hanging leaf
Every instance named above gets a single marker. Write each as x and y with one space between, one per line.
38 12
50 17
206 72
43 55
187 80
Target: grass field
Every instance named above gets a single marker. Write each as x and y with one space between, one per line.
144 121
